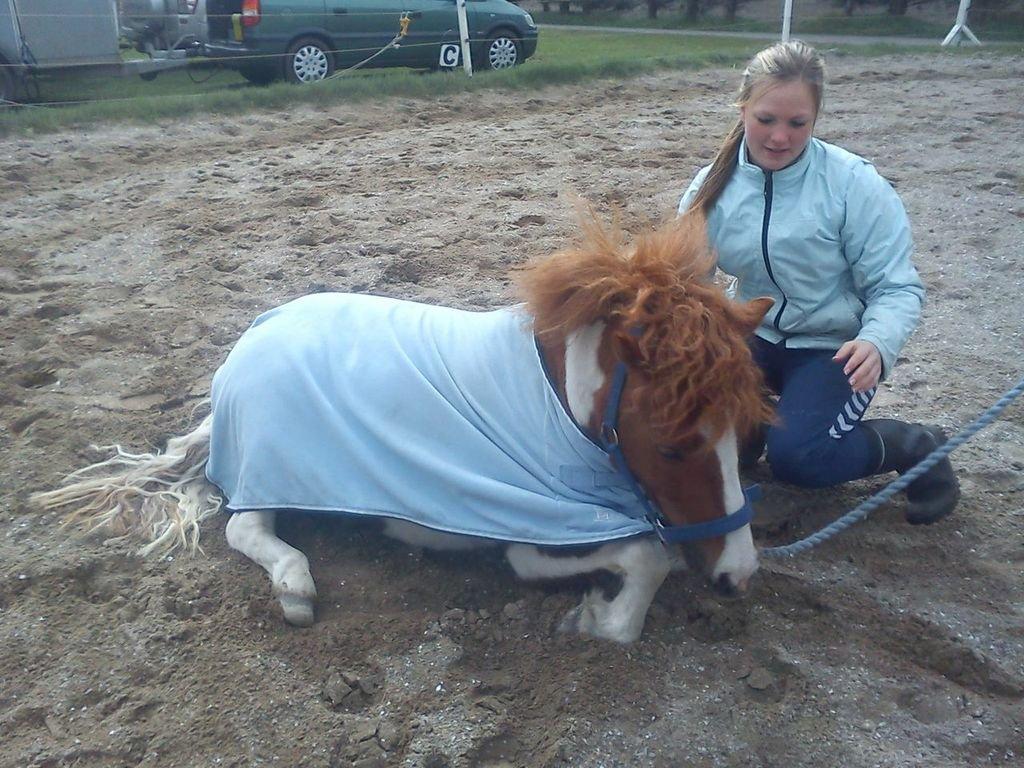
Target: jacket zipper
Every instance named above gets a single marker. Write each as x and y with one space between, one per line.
764 248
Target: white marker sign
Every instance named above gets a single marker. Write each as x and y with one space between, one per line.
450 55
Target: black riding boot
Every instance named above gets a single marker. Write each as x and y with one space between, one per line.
933 495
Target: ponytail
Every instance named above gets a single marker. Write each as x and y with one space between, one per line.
721 171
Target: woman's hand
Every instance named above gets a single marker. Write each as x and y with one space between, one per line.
863 364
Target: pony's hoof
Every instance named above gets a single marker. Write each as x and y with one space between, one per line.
298 611
596 617
571 621
583 618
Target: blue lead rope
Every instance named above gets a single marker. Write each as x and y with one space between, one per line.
667 533
862 510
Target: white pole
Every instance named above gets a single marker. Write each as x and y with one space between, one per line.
960 30
467 63
787 19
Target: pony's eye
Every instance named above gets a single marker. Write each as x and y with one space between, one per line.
670 453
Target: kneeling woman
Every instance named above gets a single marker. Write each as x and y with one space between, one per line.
819 230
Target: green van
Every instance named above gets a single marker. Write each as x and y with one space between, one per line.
308 40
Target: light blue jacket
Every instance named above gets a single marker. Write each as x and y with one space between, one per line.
829 240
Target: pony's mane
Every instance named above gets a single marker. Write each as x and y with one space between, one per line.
668 319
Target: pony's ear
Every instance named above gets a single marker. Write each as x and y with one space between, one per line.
752 313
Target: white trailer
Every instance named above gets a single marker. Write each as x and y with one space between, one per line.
45 36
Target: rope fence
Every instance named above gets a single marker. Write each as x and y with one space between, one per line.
221 62
236 57
158 16
313 17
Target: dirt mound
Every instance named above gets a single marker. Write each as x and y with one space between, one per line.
133 258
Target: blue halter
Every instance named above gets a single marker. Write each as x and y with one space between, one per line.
668 533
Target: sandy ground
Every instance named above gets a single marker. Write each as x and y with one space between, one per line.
130 261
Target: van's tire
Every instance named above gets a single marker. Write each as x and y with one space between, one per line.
258 74
501 50
309 60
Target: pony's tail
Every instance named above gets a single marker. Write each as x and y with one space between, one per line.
161 496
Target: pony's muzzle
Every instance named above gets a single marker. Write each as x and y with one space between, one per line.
726 586
729 582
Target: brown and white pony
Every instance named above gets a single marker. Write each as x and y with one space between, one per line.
690 389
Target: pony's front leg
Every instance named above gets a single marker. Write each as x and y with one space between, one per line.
252 534
643 565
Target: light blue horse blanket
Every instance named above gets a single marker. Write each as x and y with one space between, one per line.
447 418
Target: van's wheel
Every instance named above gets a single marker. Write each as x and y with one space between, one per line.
503 50
308 61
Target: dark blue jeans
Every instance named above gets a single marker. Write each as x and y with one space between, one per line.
818 440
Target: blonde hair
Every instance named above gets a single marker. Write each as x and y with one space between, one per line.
781 63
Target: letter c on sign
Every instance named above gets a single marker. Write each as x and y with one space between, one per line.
449 56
